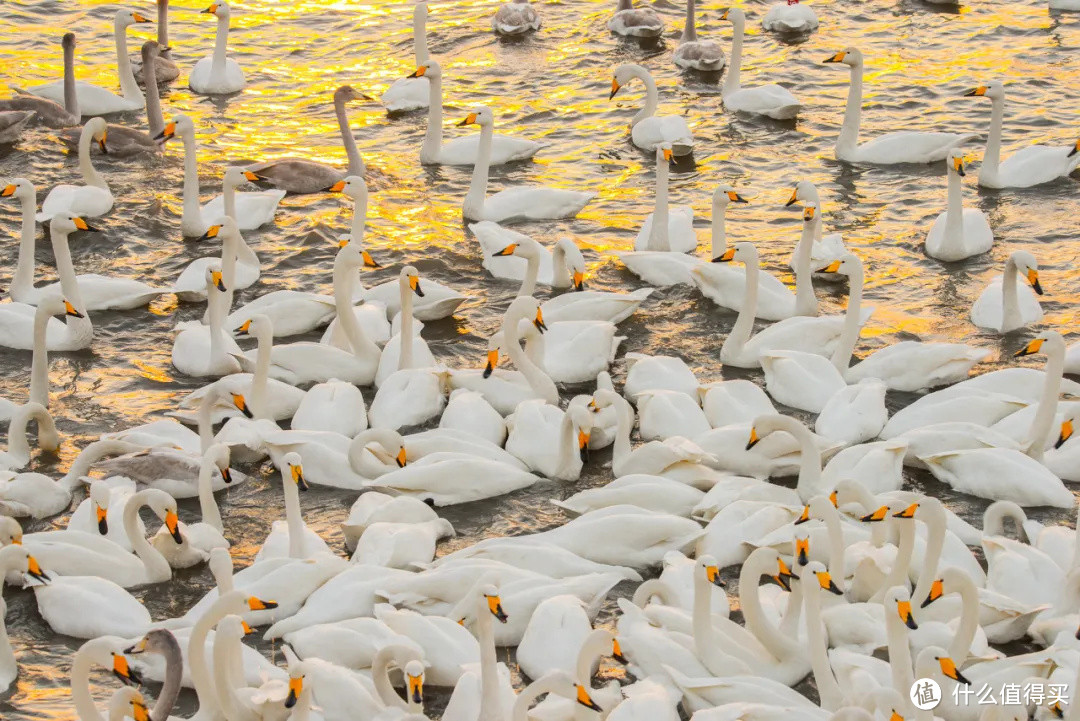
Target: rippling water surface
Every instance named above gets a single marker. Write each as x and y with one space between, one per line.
552 87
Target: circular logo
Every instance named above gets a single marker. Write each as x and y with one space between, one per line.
925 694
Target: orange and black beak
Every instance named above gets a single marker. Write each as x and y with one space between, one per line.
226 475
241 405
101 143
958 166
8 191
754 439
492 362
172 522
508 250
1075 149
726 257
838 58
414 283
298 477
802 551
803 517
211 232
257 604
579 280
908 512
296 687
1031 348
949 669
583 446
419 72
793 199
416 689
401 458
712 573
495 606
877 516
253 177
937 590
168 132
1033 278
102 515
614 88
976 92
783 575
369 262
218 280
617 654
904 609
539 321
467 120
69 309
248 630
211 10
336 187
585 699
83 225
834 499
124 672
1066 433
826 583
33 570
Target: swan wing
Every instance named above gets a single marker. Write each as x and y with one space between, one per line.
406 94
909 146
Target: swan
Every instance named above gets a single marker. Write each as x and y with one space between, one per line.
17 320
91 199
826 248
88 607
908 146
205 350
515 17
959 232
12 125
165 68
464 151
39 496
108 653
332 406
993 472
568 272
217 74
502 247
792 16
52 113
351 257
121 140
299 175
663 414
95 100
406 349
655 457
14 559
694 54
572 351
238 263
102 512
631 22
559 683
505 389
407 94
648 130
414 392
657 372
22 289
1029 166
639 489
467 411
516 203
771 100
1007 303
445 479
667 228
726 286
551 442
163 643
554 637
401 545
801 333
209 533
733 401
374 507
662 268
854 414
279 542
249 210
75 553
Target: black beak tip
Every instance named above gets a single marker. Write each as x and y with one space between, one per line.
927 602
910 623
751 444
417 697
612 95
419 291
246 412
291 700
1073 151
1060 442
488 370
177 537
1038 287
226 475
620 658
103 527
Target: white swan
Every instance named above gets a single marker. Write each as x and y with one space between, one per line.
647 130
667 228
22 289
726 286
205 350
502 247
249 210
515 17
17 454
826 248
628 21
88 607
407 94
549 441
14 559
1031 165
662 268
516 203
959 232
792 16
463 151
406 349
300 175
217 74
239 266
91 199
906 146
703 55
771 100
572 351
568 273
95 100
279 542
1007 303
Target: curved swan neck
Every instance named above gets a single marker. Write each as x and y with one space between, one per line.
706 637
80 683
208 507
650 588
658 237
227 682
750 601
849 336
848 139
960 647
356 162
474 199
932 513
89 174
532 269
828 689
380 676
652 97
529 694
344 278
221 41
954 212
689 33
215 311
809 456
174 676
1010 302
128 86
1042 425
157 568
596 645
22 282
71 95
898 574
539 381
806 302
39 365
432 147
200 670
733 81
69 283
988 171
90 455
624 421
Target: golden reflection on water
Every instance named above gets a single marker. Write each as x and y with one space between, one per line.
553 87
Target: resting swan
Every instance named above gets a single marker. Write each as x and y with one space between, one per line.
1008 303
771 100
515 17
1031 165
667 228
463 151
50 113
959 232
217 74
91 199
576 303
515 203
792 16
628 21
407 94
648 130
703 55
17 454
95 100
906 146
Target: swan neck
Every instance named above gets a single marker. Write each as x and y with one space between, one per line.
128 86
221 41
1040 433
899 651
898 574
532 272
652 97
157 568
806 302
568 447
208 507
539 381
89 174
356 163
192 211
849 336
80 467
200 670
71 95
227 681
163 28
809 458
263 352
405 354
380 676
988 171
39 365
689 33
934 518
718 237
706 637
22 282
954 218
489 670
69 283
432 147
1010 302
529 694
733 81
848 138
754 614
80 686
474 199
828 689
344 278
420 49
658 237
206 421
155 121
294 518
960 647
744 322
215 315
170 690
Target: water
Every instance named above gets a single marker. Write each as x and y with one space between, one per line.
551 87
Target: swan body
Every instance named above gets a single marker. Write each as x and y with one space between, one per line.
993 472
959 232
407 94
217 74
1008 303
448 479
914 366
515 17
909 146
648 130
855 413
653 492
770 100
91 199
89 607
200 350
631 22
694 54
735 401
548 440
790 17
667 228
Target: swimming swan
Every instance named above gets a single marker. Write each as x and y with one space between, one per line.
407 94
667 228
703 55
647 130
217 74
628 21
959 232
1008 303
89 200
771 100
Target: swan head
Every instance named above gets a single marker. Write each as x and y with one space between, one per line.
220 564
410 279
352 186
525 307
852 57
164 507
1035 345
801 542
663 152
1026 264
492 360
11 532
232 627
898 598
293 469
159 640
20 188
99 505
150 50
214 279
128 703
995 90
816 572
220 9
494 602
583 422
19 559
127 18
848 265
743 252
563 684
804 191
108 652
725 194
769 423
708 566
180 125
236 176
809 212
935 655
481 116
258 325
624 74
345 93
604 398
350 256
1064 434
575 261
99 131
414 678
430 69
58 306
226 229
67 223
955 162
68 41
219 454
734 15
